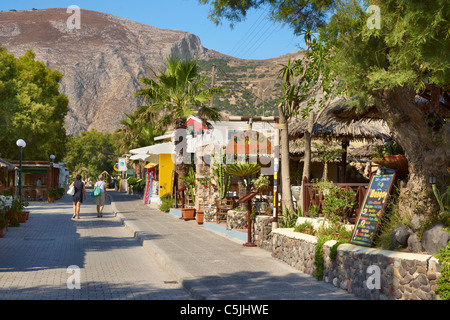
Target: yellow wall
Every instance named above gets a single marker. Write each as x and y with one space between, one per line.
166 167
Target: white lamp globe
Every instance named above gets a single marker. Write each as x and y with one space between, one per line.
21 143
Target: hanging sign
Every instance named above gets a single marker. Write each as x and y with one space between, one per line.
122 165
249 142
372 210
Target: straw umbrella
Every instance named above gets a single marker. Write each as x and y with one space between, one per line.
327 125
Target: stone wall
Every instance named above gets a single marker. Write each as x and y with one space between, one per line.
236 220
365 272
402 276
262 232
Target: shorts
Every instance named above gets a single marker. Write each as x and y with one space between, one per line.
101 199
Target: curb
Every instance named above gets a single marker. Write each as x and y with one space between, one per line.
187 280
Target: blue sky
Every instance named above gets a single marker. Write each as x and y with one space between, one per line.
255 38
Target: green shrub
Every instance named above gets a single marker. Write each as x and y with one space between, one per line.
167 202
443 289
305 227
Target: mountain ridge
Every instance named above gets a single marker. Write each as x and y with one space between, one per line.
102 61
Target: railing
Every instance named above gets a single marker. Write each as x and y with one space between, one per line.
313 196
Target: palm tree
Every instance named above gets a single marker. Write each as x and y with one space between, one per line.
175 94
242 170
138 131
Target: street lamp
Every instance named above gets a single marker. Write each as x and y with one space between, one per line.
52 157
21 144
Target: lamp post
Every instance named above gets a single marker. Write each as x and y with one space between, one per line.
21 144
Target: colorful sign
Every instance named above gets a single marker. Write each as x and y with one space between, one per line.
122 165
372 210
249 142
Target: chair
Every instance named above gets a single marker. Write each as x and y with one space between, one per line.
222 208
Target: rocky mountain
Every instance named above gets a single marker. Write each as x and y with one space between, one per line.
103 60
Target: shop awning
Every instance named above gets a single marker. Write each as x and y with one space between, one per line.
140 156
166 147
6 164
150 165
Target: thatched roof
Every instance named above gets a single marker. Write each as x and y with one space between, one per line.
352 130
354 154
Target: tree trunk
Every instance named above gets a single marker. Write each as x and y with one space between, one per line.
181 155
286 194
242 192
426 148
325 172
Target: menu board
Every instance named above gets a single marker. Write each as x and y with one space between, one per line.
372 210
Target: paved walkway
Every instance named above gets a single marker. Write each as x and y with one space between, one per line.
135 252
34 258
210 265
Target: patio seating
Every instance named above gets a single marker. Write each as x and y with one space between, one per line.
222 207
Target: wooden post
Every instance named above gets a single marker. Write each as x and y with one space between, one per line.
344 161
249 225
305 196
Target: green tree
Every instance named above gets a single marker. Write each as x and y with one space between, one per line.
31 108
242 171
93 150
385 66
137 131
175 94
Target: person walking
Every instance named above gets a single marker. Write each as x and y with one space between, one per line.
101 199
80 190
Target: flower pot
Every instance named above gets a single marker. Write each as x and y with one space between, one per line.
397 162
199 216
188 213
27 214
260 206
50 200
22 218
3 231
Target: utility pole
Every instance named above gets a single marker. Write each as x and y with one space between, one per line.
213 82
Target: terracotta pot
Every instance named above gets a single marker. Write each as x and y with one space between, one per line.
22 218
188 213
51 200
199 215
3 231
27 214
397 162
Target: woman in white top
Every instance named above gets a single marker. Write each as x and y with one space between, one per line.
101 199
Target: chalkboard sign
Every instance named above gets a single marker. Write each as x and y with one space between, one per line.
372 210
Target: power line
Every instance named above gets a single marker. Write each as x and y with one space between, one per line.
267 37
251 32
260 43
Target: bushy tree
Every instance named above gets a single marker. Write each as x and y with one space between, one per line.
31 108
93 151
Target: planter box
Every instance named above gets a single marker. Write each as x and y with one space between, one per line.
199 216
188 214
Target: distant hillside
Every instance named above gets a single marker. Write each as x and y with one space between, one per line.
251 86
103 61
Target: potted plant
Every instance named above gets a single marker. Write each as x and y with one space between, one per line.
15 212
189 181
262 183
52 195
3 219
391 155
